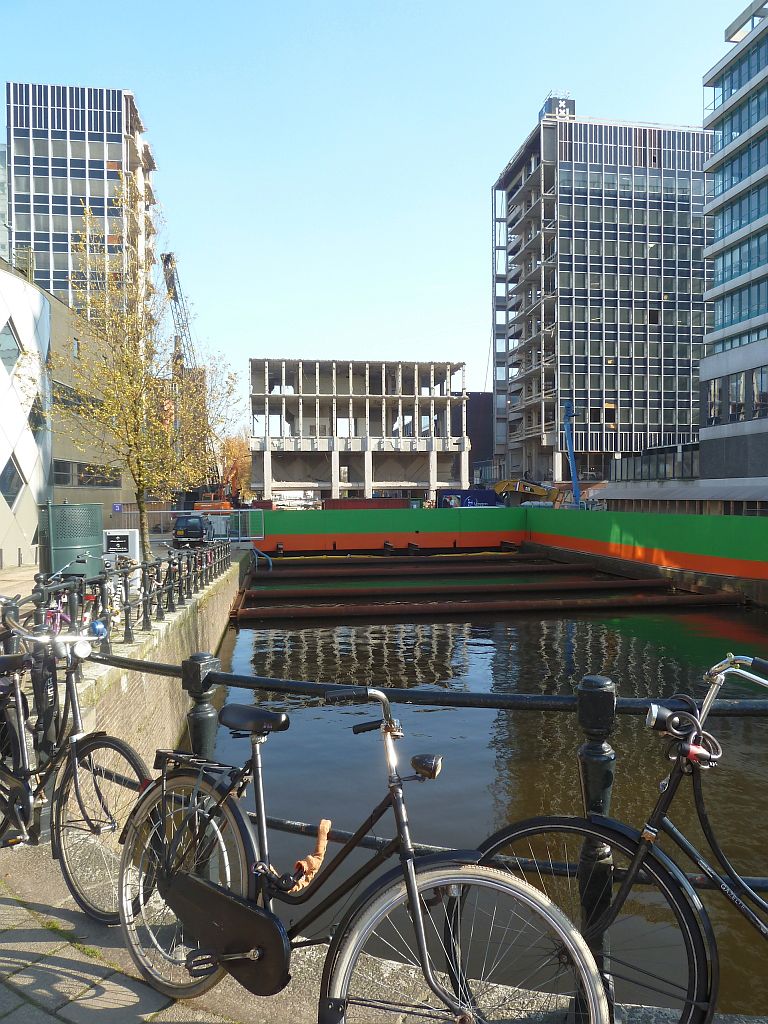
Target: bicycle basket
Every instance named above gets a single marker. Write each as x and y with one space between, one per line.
226 924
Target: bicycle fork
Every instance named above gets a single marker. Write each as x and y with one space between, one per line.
407 857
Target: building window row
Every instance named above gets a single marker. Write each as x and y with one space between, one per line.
632 146
737 340
742 211
741 165
68 107
639 215
749 255
751 63
84 474
611 281
741 119
737 397
741 305
626 249
61 149
625 180
628 314
667 464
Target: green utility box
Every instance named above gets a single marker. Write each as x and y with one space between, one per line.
68 530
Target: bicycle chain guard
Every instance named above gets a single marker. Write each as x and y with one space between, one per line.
250 943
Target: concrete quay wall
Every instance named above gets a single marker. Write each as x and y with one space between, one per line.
148 711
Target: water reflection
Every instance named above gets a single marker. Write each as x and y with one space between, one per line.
504 766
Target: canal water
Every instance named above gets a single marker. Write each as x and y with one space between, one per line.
503 766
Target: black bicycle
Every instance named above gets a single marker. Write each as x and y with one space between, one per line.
85 784
438 938
636 908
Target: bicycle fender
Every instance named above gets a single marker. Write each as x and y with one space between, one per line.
693 897
430 860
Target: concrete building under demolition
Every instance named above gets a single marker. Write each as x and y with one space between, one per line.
333 428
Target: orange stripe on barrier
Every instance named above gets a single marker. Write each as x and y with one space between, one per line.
717 566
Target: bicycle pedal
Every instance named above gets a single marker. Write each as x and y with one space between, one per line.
201 962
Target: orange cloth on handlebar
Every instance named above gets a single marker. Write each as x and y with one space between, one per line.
311 864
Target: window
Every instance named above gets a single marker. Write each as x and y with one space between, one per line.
736 385
11 481
760 392
97 476
10 349
62 473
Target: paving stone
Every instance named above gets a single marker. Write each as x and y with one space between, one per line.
21 947
9 999
13 914
186 1013
28 1014
59 978
123 1000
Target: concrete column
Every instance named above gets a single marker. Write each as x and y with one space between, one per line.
432 475
267 474
334 473
557 466
465 469
367 473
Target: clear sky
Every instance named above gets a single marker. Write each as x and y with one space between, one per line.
324 169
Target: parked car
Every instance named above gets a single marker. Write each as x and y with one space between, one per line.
191 531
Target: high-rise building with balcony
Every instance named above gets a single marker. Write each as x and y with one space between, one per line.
3 204
68 148
734 374
598 282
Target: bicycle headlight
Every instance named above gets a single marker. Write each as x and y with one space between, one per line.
82 649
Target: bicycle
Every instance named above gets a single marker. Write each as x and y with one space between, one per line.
638 912
437 938
88 782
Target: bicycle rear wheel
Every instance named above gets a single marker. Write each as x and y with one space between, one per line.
653 953
92 802
501 948
208 839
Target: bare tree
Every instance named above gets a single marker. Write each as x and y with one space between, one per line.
133 399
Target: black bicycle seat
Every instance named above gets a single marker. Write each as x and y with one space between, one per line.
14 662
247 718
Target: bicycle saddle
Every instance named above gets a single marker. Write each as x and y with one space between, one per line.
247 718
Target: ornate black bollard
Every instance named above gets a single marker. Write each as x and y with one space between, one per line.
596 711
146 597
157 580
181 599
41 598
74 606
188 570
170 584
202 719
128 636
105 613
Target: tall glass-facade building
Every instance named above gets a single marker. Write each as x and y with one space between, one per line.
734 375
3 204
598 291
67 148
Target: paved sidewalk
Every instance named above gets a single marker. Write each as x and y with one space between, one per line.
57 965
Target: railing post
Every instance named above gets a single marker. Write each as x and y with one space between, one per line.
40 594
128 636
157 570
188 564
202 717
181 600
146 597
596 712
170 582
73 605
106 613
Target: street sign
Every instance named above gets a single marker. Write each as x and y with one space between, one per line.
117 507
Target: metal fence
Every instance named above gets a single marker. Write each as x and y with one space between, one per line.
239 526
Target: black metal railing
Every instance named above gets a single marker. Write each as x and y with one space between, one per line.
125 597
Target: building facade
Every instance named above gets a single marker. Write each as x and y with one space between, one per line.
25 435
69 148
734 374
598 291
4 233
335 429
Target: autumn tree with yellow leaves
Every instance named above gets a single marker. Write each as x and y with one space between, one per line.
131 395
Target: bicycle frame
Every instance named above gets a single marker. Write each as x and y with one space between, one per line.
265 883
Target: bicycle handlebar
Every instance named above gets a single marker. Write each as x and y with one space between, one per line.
359 695
44 638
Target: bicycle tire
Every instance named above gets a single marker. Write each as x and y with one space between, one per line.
110 775
11 736
497 943
221 850
655 953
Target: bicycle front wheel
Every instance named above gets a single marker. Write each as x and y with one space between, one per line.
653 953
187 829
93 799
503 950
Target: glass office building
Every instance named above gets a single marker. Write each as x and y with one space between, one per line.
734 374
598 291
3 204
68 147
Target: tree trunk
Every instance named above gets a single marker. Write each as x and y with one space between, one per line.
146 547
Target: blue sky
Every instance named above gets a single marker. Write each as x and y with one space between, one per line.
325 168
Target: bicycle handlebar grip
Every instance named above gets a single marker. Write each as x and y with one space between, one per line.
367 726
760 665
343 694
